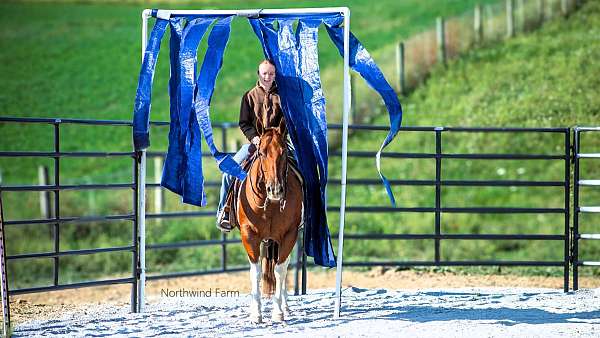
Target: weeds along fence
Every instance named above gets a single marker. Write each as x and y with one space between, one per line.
461 204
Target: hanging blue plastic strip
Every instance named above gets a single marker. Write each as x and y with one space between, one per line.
213 61
174 161
142 106
191 137
295 56
363 63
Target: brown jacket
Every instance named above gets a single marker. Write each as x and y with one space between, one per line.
260 110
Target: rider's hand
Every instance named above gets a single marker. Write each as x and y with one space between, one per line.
256 140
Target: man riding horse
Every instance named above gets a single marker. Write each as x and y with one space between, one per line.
260 109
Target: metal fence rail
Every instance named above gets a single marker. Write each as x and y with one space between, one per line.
300 266
439 210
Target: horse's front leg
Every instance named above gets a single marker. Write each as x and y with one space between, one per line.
252 246
255 274
280 306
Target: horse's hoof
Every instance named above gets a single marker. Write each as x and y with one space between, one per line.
277 317
256 319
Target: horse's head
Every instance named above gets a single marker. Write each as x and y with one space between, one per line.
272 151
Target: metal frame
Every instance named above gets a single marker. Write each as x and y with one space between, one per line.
301 265
345 11
438 209
577 208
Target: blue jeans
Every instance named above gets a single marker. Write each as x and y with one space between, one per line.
239 157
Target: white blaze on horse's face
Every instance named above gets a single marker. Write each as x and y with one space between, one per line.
273 163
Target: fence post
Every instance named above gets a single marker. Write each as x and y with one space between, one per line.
478 24
400 64
441 40
510 18
44 194
158 192
564 7
521 26
4 279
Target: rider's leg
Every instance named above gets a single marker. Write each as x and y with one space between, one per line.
225 184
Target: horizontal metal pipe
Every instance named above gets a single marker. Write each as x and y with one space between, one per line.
370 154
66 187
330 126
82 219
472 210
63 154
69 253
245 12
71 286
457 263
456 236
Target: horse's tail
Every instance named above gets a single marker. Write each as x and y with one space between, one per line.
269 256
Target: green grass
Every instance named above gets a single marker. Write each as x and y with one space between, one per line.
545 79
85 65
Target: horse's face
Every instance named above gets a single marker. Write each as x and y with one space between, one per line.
273 157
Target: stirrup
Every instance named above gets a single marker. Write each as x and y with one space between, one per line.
224 224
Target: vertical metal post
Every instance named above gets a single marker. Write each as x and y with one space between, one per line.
4 277
56 197
478 24
158 192
224 235
438 191
400 67
141 230
297 266
575 258
347 106
510 18
441 40
304 276
136 248
567 206
141 197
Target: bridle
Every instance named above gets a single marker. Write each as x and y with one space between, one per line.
261 178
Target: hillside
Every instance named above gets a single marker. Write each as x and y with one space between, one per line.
545 79
85 65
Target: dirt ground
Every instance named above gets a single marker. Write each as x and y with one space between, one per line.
53 304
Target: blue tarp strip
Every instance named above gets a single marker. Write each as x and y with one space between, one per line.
296 59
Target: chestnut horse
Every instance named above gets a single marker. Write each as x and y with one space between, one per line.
269 213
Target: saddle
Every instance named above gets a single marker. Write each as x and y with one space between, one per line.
234 189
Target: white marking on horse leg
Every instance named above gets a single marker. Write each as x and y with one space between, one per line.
284 304
255 274
280 292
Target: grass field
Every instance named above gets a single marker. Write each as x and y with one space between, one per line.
85 66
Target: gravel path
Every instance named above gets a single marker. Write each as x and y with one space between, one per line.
463 312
